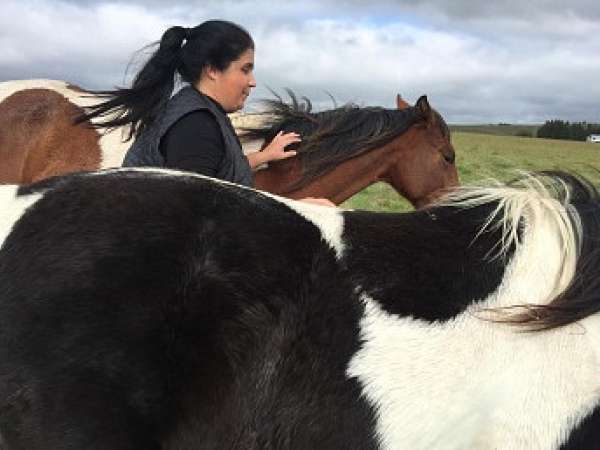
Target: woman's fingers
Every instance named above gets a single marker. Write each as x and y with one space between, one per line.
288 154
291 141
288 137
276 149
318 201
281 141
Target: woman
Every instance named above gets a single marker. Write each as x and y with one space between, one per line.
191 130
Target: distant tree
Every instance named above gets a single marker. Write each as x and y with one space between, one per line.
559 129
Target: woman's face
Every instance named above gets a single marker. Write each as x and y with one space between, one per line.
233 85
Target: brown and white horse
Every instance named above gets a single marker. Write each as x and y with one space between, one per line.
136 314
408 148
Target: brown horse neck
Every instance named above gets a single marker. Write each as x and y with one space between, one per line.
278 176
337 185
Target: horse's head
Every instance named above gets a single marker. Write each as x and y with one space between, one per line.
346 149
423 166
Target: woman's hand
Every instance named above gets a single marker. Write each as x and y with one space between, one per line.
318 201
275 150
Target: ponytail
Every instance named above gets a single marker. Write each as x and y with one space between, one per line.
180 50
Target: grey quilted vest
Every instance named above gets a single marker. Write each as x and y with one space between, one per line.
145 150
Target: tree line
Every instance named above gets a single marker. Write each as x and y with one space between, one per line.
560 129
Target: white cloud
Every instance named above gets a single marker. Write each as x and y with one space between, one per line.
509 61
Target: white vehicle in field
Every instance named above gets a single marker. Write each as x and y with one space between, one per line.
594 138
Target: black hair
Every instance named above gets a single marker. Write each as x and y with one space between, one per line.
183 51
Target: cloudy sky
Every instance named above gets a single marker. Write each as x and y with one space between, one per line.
518 61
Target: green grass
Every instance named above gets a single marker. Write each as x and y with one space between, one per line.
484 156
378 197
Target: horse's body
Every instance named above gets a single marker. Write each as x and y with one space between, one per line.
135 313
38 140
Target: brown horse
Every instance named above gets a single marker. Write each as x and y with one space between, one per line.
349 148
344 150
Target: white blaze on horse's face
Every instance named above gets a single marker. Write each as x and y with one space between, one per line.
12 207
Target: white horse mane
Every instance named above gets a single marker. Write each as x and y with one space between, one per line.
534 200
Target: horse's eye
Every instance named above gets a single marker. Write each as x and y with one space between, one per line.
449 156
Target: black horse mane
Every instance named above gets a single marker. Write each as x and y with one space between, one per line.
329 137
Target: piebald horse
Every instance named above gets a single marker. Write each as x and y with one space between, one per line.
135 313
344 150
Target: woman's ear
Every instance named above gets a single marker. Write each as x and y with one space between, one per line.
211 72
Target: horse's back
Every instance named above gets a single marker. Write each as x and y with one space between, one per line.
167 313
144 309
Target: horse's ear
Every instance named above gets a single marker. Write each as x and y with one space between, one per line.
400 103
423 106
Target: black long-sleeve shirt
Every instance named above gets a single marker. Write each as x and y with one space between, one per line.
195 143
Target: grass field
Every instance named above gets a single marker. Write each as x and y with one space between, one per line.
483 156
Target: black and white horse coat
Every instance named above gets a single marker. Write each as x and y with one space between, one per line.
154 310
